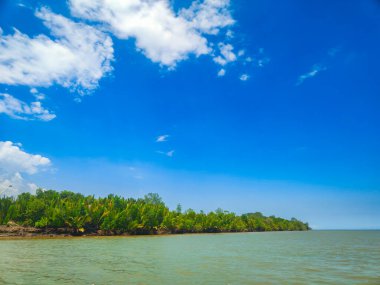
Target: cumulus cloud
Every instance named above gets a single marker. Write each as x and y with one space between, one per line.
162 138
13 163
18 109
315 70
77 56
221 72
226 54
14 159
161 34
15 184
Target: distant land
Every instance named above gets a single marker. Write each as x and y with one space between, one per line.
67 213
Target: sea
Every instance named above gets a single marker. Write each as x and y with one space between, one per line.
312 257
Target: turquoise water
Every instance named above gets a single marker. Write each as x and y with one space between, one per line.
315 257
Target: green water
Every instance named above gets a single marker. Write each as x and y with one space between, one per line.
315 257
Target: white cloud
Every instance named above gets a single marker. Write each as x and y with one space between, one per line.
209 16
168 153
14 185
221 72
258 60
38 95
33 91
77 56
241 52
263 61
13 159
230 34
226 54
18 109
77 100
13 163
161 34
315 70
162 138
244 77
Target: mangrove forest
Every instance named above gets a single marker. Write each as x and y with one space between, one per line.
77 214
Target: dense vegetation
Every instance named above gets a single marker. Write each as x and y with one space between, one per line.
117 215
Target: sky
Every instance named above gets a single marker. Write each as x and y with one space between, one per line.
248 105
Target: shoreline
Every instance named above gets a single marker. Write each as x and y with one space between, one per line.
20 232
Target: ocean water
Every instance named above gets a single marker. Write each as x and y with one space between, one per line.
315 257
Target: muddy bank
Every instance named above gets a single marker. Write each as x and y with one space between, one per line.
15 231
20 231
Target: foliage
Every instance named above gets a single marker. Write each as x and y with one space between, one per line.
117 215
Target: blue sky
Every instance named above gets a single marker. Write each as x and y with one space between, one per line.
245 105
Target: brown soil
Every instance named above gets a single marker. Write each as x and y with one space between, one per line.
20 231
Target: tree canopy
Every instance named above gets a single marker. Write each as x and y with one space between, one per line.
117 215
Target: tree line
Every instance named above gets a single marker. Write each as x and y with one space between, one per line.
113 214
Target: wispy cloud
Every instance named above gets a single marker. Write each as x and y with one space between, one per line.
167 153
135 173
261 59
317 68
241 52
162 138
76 57
258 59
244 77
21 110
333 51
